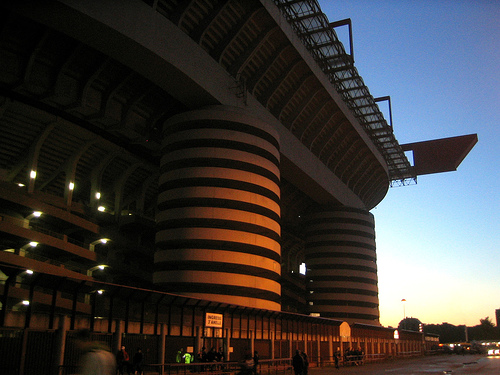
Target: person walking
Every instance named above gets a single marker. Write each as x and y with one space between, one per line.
298 363
306 362
137 362
255 362
123 360
97 359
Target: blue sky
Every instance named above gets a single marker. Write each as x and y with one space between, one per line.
438 242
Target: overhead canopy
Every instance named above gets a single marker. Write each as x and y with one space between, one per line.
440 155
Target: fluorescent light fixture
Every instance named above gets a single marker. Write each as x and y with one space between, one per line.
101 208
33 174
71 186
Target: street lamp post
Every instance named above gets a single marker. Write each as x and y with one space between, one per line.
404 313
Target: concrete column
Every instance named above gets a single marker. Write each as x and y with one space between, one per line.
198 342
252 341
60 342
340 250
117 337
330 348
227 343
161 345
273 354
219 204
23 351
319 350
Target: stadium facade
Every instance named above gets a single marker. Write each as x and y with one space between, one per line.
203 149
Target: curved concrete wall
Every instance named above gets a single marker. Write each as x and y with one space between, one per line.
218 232
341 265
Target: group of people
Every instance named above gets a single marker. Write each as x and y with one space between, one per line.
354 356
98 360
183 357
300 362
212 356
250 363
125 364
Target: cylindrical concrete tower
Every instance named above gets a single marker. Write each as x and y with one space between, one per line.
218 231
341 265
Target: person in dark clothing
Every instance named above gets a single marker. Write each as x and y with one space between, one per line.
336 358
137 361
212 355
220 357
96 356
123 361
247 364
306 363
298 363
255 362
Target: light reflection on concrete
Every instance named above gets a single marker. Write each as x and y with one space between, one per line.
440 364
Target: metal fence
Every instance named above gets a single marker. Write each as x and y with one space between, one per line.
265 367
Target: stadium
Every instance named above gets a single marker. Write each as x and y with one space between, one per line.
162 160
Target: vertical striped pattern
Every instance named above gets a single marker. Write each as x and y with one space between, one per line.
218 234
341 265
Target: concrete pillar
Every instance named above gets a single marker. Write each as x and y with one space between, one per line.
117 337
273 349
198 342
219 203
60 342
252 341
161 345
340 250
330 348
319 350
24 347
227 344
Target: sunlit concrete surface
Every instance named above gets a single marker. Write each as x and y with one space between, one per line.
447 364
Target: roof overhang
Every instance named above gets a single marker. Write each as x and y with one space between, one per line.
440 155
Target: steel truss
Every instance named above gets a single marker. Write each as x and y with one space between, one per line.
319 37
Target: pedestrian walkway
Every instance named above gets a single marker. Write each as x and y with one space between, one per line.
437 364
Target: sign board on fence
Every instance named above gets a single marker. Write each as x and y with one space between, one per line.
213 320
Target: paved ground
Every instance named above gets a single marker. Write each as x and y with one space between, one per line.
442 364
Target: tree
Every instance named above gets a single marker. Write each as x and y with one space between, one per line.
410 324
448 333
485 330
486 323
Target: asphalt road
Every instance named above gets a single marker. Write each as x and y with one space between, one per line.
442 364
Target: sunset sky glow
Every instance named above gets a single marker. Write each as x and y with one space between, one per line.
437 241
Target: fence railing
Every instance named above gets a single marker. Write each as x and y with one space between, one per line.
281 366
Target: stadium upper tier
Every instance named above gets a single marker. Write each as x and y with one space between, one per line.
119 72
